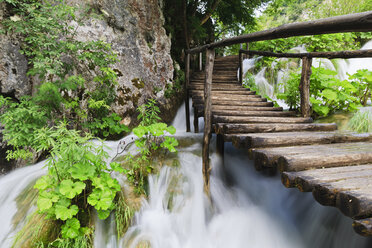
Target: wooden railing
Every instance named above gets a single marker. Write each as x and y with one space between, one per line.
360 22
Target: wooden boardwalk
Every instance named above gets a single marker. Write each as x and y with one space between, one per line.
335 166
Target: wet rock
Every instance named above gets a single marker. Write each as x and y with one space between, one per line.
13 67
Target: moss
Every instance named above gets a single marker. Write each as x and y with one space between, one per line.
138 83
37 230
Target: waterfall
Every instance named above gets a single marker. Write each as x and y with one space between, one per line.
246 208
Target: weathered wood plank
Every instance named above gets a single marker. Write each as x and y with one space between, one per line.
330 155
225 93
254 113
250 102
358 22
363 226
296 138
347 188
305 181
328 55
255 119
222 98
266 128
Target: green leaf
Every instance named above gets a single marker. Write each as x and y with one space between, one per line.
330 94
70 229
172 130
46 200
101 200
70 189
82 171
63 212
103 214
43 183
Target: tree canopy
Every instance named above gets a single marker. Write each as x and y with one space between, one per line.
196 22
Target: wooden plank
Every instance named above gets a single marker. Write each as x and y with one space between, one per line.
329 55
363 226
249 102
296 138
260 119
207 117
305 87
225 93
358 22
265 128
254 113
347 188
330 155
218 98
306 181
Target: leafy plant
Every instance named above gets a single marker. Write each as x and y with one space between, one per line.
327 93
151 137
78 179
362 81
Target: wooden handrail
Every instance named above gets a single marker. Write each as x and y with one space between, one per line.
328 55
358 22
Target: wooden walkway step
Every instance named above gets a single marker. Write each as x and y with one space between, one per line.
224 128
297 158
259 119
256 140
347 188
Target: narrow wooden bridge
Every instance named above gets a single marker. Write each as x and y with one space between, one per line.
335 166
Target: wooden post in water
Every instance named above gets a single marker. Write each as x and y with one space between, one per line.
240 68
207 116
187 83
200 61
305 86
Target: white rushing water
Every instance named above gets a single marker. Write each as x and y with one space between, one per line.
247 209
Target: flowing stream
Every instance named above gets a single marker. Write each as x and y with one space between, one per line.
246 208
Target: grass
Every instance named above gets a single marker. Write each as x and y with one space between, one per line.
361 122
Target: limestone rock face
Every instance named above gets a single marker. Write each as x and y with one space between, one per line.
135 30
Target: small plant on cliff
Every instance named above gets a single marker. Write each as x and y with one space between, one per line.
59 64
78 180
151 139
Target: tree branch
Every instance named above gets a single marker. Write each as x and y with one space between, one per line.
209 14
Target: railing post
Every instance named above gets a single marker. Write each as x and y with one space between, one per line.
247 48
187 83
240 68
305 86
200 61
207 116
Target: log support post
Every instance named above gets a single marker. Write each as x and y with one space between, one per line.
247 48
200 61
207 117
196 120
240 68
305 86
186 88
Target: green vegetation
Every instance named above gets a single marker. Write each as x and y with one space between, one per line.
151 138
329 94
361 122
57 64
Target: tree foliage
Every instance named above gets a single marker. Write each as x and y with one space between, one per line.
195 22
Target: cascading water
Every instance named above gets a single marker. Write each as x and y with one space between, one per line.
266 85
247 210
